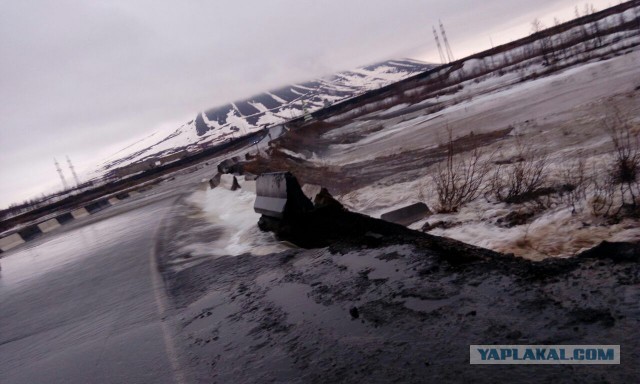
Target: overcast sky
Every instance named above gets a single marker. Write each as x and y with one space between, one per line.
84 78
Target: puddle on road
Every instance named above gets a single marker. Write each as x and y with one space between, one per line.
426 306
301 309
380 263
62 250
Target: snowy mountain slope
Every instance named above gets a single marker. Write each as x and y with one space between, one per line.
241 117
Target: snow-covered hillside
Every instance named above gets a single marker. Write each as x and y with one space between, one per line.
241 117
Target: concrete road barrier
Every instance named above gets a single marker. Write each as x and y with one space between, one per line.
215 180
203 185
65 218
11 241
229 182
122 196
30 232
311 190
246 184
407 215
249 185
250 176
231 165
97 206
49 225
278 194
79 213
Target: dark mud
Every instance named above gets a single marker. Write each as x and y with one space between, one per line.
420 301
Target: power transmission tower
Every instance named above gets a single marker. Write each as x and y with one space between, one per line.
435 35
73 172
446 42
305 112
64 182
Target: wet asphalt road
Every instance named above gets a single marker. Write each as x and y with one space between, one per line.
84 304
81 306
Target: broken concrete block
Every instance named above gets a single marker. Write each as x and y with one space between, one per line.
231 165
215 180
250 176
249 185
229 182
279 194
407 215
311 190
246 184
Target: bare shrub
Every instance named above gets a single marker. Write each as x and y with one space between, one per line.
603 202
458 179
520 180
575 183
616 192
624 171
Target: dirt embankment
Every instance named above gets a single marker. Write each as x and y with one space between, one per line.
381 303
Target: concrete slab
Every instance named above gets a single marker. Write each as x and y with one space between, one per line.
11 241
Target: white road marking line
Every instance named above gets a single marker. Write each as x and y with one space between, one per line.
158 289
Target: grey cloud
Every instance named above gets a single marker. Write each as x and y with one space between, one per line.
79 76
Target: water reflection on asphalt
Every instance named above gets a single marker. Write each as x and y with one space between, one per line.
79 306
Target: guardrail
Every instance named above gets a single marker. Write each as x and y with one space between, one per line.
33 231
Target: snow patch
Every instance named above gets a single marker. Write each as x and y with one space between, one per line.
232 211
